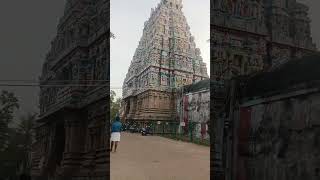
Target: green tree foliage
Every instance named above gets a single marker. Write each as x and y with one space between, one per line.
115 104
8 149
11 156
26 127
16 157
112 96
8 104
26 131
112 35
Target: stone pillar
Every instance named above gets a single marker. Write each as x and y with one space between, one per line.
74 140
149 101
168 102
67 140
160 101
142 101
154 101
132 109
156 98
74 136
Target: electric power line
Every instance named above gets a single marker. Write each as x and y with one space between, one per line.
35 81
53 85
57 85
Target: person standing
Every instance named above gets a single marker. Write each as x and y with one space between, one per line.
115 133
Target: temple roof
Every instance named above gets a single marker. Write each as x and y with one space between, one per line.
173 1
293 73
201 85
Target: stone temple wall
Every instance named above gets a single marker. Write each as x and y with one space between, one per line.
194 107
280 140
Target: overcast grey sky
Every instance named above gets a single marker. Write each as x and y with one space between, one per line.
127 20
26 30
28 26
314 14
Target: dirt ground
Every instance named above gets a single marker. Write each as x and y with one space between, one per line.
157 158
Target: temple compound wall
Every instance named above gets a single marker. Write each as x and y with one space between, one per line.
250 36
193 106
280 139
271 128
71 137
165 59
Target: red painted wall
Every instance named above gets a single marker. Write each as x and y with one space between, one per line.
243 142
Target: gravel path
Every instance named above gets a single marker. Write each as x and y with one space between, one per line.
157 158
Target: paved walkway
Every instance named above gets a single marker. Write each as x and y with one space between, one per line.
157 158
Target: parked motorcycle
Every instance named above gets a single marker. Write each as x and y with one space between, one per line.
133 129
124 128
146 131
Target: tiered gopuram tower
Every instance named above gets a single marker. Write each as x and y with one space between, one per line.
71 139
249 36
166 58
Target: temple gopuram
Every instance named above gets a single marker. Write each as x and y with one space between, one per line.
71 140
166 58
250 36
